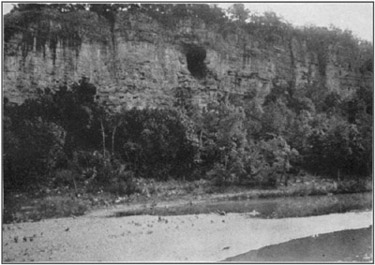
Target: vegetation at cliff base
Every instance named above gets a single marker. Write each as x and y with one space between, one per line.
68 137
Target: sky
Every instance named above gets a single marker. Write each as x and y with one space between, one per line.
356 17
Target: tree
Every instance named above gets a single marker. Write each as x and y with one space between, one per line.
278 155
338 148
75 110
154 144
60 7
238 12
28 145
277 118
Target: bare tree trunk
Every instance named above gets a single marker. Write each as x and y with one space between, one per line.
286 178
286 162
113 140
68 145
75 185
200 138
103 135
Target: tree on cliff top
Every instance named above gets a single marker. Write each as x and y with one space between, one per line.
238 12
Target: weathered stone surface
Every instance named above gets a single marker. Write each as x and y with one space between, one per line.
141 63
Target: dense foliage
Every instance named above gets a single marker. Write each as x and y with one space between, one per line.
67 136
69 129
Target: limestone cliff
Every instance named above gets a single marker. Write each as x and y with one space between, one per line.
136 61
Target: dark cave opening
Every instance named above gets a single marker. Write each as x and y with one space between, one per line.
195 57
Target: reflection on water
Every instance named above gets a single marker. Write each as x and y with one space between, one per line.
344 246
267 208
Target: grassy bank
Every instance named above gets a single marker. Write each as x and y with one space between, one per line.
265 208
299 198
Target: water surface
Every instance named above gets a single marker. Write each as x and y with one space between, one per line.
342 246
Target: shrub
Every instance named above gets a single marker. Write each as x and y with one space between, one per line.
219 175
154 143
125 184
65 177
338 148
61 207
105 172
28 142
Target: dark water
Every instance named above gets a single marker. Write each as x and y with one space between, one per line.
268 208
343 246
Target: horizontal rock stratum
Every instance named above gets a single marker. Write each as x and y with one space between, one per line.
137 60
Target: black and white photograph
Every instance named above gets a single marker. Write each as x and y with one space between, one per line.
187 132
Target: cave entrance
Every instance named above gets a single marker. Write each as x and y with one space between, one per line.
195 57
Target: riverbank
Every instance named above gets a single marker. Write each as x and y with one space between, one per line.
204 237
183 197
280 207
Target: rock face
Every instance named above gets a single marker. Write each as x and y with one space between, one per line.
139 62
